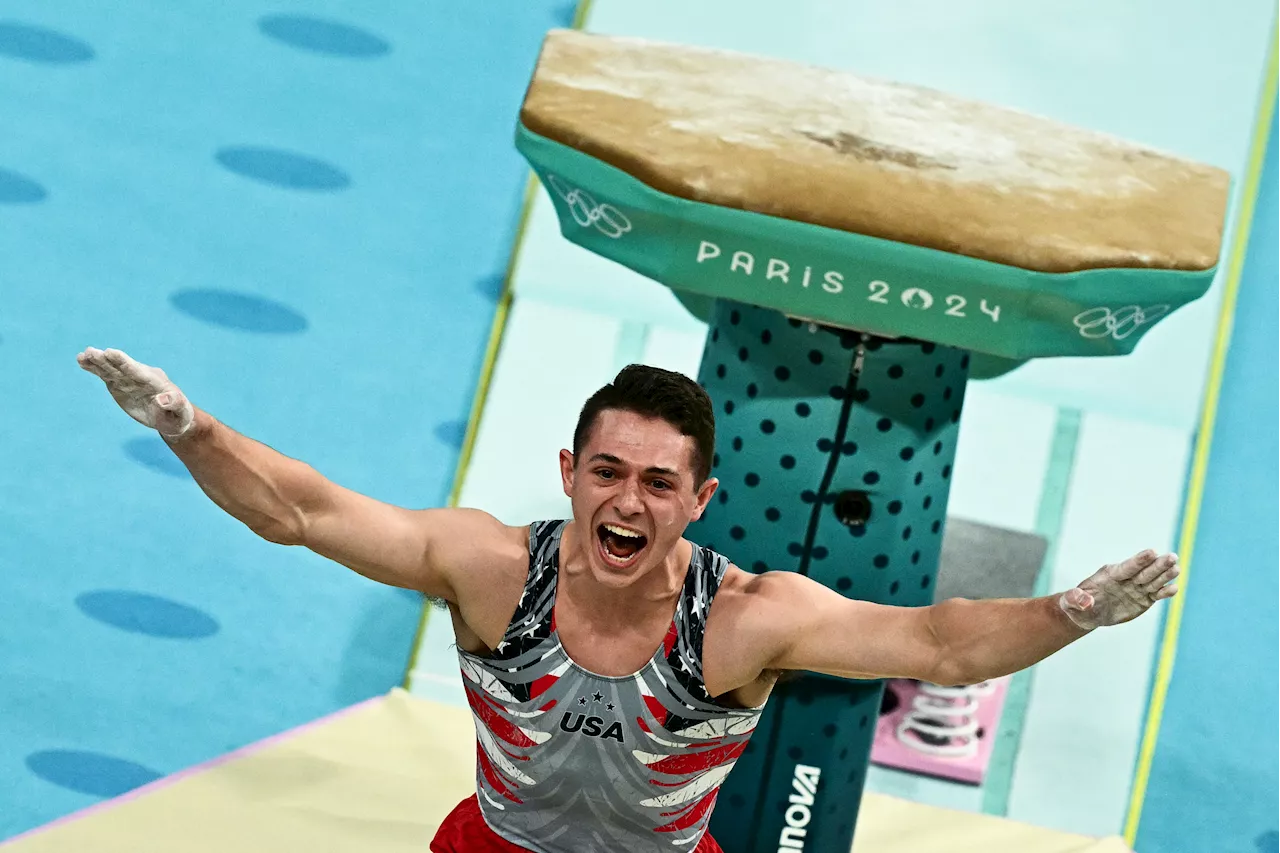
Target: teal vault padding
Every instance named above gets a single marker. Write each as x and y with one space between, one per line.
834 455
850 280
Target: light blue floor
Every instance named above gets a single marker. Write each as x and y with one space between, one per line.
1214 779
302 213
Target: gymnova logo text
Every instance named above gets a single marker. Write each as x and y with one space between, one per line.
804 786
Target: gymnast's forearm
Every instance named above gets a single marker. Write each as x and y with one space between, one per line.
980 640
258 486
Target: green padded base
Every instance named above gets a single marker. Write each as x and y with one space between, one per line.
848 280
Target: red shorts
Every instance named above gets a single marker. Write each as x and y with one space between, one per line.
465 831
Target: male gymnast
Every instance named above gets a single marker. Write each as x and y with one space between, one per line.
615 670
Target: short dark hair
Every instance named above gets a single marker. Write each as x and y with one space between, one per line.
656 393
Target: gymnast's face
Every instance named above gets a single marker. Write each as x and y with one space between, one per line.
633 493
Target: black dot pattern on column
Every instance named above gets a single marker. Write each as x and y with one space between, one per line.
803 410
936 526
836 392
715 335
795 753
929 424
893 588
843 584
735 317
824 445
752 479
925 581
715 460
820 553
871 478
772 513
946 471
906 453
919 478
793 322
844 753
787 462
937 448
939 370
766 336
874 344
743 355
849 448
724 496
752 390
928 501
884 424
829 730
720 370
928 347
728 407
906 533
737 444
917 400
782 374
736 532
964 362
894 507
759 566
861 395
915 558
862 722
881 561
858 532
808 496
946 395
795 549
767 427
815 356
955 416
895 371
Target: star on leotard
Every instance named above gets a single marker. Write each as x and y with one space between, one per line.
582 700
597 696
609 706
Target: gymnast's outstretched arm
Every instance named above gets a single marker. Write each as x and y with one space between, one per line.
802 625
287 501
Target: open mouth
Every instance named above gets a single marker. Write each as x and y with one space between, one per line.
620 546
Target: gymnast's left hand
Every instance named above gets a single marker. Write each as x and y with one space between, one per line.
1120 592
145 393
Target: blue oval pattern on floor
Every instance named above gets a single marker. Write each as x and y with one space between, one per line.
451 433
37 44
283 168
321 36
239 311
17 189
141 613
90 772
151 452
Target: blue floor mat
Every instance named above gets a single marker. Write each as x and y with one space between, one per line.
300 217
1214 784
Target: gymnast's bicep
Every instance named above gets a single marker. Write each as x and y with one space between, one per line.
816 629
419 549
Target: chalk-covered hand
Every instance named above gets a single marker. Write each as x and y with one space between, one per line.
145 393
1120 592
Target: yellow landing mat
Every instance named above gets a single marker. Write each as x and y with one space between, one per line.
382 775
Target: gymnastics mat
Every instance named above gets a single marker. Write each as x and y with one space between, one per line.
383 774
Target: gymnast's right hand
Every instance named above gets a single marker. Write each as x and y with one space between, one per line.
145 393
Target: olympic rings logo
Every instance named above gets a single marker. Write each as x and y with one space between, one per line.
1117 324
605 218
